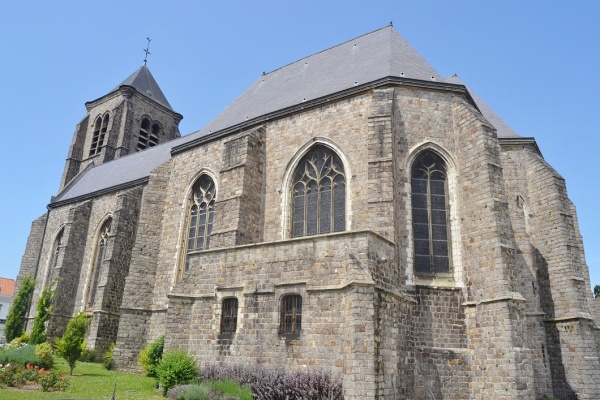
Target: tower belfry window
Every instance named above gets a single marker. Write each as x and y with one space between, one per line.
148 136
100 128
429 194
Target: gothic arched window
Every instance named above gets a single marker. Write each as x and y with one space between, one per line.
100 128
319 194
201 215
148 136
56 248
99 254
431 236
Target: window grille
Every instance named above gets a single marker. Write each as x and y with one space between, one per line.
291 315
319 194
148 136
100 128
201 215
229 316
100 252
430 215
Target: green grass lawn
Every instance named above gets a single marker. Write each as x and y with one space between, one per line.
92 381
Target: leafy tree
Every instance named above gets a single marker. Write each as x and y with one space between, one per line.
15 320
44 306
69 346
597 292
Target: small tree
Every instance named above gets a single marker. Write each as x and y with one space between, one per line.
15 320
69 346
597 292
44 306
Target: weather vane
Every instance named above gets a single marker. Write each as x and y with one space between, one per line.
147 50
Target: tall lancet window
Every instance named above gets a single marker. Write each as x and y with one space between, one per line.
429 185
100 128
319 194
201 215
99 255
56 249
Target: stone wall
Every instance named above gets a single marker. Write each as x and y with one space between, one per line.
333 274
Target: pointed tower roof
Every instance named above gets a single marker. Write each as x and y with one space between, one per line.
143 81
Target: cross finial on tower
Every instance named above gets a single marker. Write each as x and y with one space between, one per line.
146 50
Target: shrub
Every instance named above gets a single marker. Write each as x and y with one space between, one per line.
43 353
276 384
107 359
217 390
87 355
23 339
44 306
15 320
69 346
20 356
176 368
151 355
52 380
16 375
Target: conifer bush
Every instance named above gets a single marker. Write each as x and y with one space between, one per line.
69 346
15 320
44 307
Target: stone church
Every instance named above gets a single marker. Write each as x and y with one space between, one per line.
352 211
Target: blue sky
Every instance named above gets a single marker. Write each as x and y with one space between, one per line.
537 64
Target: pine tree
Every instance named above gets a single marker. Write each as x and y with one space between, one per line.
44 307
15 320
69 346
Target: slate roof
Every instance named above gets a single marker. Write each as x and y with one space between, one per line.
376 55
143 81
503 130
7 287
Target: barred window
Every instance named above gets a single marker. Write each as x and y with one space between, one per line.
100 128
148 136
319 194
229 316
430 214
98 259
291 315
201 215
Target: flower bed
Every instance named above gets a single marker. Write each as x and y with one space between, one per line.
14 375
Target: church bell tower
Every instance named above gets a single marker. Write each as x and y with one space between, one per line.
132 117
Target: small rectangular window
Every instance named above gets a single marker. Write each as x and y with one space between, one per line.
229 316
291 315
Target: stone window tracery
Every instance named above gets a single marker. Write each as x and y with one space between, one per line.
98 259
100 128
290 321
229 316
429 195
319 194
148 136
201 215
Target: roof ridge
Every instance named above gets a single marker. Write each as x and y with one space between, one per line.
329 48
